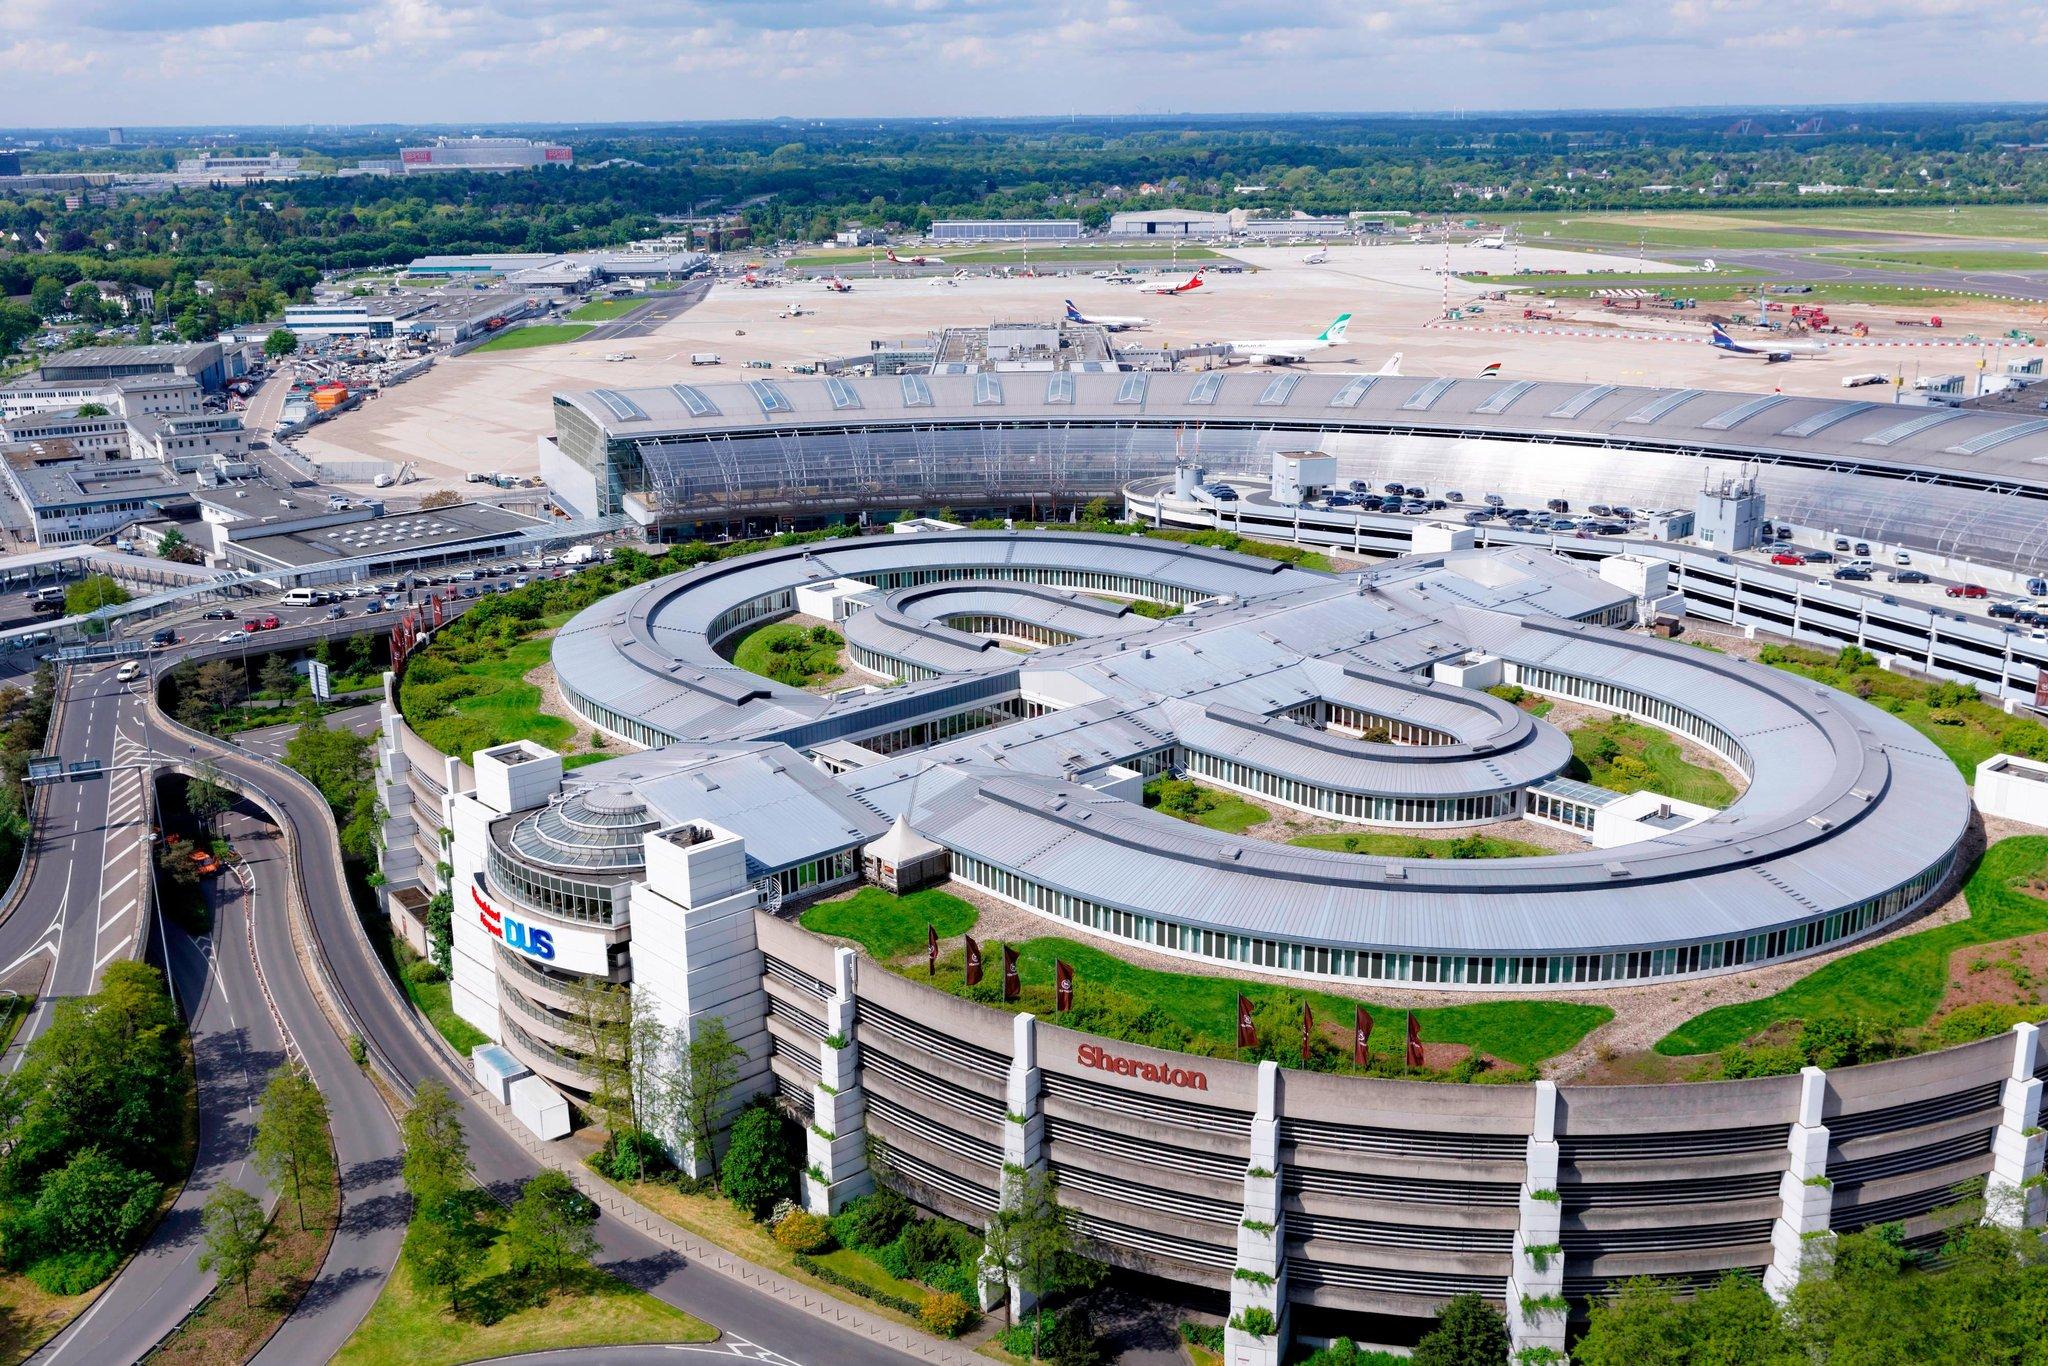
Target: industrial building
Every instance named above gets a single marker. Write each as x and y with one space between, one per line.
1016 704
444 318
484 154
1172 223
1006 230
211 169
206 362
260 531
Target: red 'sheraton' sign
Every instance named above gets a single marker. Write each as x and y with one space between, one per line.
1091 1056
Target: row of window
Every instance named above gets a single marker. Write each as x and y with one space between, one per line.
565 898
1548 806
1493 806
1448 969
1614 697
978 624
1397 731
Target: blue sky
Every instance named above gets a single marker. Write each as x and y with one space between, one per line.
72 62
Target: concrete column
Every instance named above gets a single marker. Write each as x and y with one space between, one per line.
1023 1154
836 1147
1536 1284
2013 1195
1259 1281
1806 1196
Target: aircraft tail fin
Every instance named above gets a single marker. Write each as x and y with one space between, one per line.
1336 330
1392 367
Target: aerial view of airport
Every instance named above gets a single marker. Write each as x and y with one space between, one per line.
822 716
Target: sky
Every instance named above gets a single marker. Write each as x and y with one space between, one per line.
141 62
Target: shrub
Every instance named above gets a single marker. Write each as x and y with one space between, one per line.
1468 1329
631 1155
872 1221
1071 1340
1739 1061
73 1273
762 1160
424 971
932 1244
1209 1335
800 1231
1981 1020
944 1314
1257 1321
1837 1041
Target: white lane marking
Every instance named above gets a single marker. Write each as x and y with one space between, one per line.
125 939
47 946
116 916
125 880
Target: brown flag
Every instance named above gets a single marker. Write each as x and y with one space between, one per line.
1012 987
1063 986
931 951
973 962
1414 1056
1361 1037
1308 1029
1247 1036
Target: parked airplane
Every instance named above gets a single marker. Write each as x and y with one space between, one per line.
1316 257
837 285
1770 352
1288 350
1493 243
896 260
1392 367
1113 321
794 309
1193 282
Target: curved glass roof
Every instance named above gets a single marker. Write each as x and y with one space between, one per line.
590 828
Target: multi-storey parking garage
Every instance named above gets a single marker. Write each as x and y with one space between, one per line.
1014 703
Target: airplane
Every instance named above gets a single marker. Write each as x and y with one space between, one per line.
793 309
1316 257
1392 367
896 260
1114 322
1287 350
837 285
753 281
1770 352
619 356
1193 282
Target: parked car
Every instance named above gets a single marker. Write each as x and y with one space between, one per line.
1852 571
1820 557
1862 548
1907 576
218 614
1841 542
1968 590
2005 611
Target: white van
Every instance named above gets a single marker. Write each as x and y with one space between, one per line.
129 672
300 597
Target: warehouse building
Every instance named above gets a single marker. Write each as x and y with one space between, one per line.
1006 230
484 154
1172 223
205 362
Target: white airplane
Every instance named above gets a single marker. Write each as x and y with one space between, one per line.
1288 350
1770 352
619 356
1392 367
793 309
896 260
1113 321
1493 243
1192 283
1316 257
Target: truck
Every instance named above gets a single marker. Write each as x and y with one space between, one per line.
1858 381
704 358
580 554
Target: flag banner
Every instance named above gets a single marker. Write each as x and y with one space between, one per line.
1063 986
931 951
1247 1036
1361 1036
1012 986
973 962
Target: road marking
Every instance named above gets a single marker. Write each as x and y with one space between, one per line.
47 946
130 877
125 940
116 916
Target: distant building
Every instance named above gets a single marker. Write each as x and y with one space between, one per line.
208 169
202 361
117 137
859 237
10 163
1170 223
484 154
1006 230
1302 225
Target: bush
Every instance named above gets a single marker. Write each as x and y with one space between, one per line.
800 1231
832 1276
1843 1042
944 1314
1468 1330
1258 1321
424 971
762 1160
1071 1340
1209 1335
73 1273
631 1155
872 1221
1981 1020
933 1244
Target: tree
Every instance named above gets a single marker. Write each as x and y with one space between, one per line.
1731 1323
440 498
1468 1332
145 334
206 796
171 539
233 1230
84 300
280 342
17 325
91 593
1030 1235
92 1205
436 1155
335 761
603 1025
218 684
95 410
440 1252
277 676
703 1086
551 1227
762 1159
291 1134
46 297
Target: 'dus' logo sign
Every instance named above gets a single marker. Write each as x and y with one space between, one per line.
516 934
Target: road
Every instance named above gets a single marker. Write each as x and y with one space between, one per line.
664 306
81 905
235 1045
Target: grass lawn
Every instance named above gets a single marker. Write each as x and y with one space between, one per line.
1515 1031
1245 545
800 656
1416 846
604 310
228 1327
1626 756
1908 259
536 334
436 1001
501 706
1782 227
1900 981
1965 728
858 1266
1205 806
595 1309
891 926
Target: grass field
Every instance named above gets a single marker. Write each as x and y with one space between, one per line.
407 1328
1520 1032
1786 227
1908 259
1417 846
1204 806
1625 756
538 334
502 708
1900 981
604 310
799 656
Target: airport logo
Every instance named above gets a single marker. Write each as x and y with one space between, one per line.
516 934
1092 1056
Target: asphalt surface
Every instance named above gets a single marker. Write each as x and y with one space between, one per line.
662 307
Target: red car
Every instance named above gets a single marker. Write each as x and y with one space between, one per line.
1968 590
251 626
1787 557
